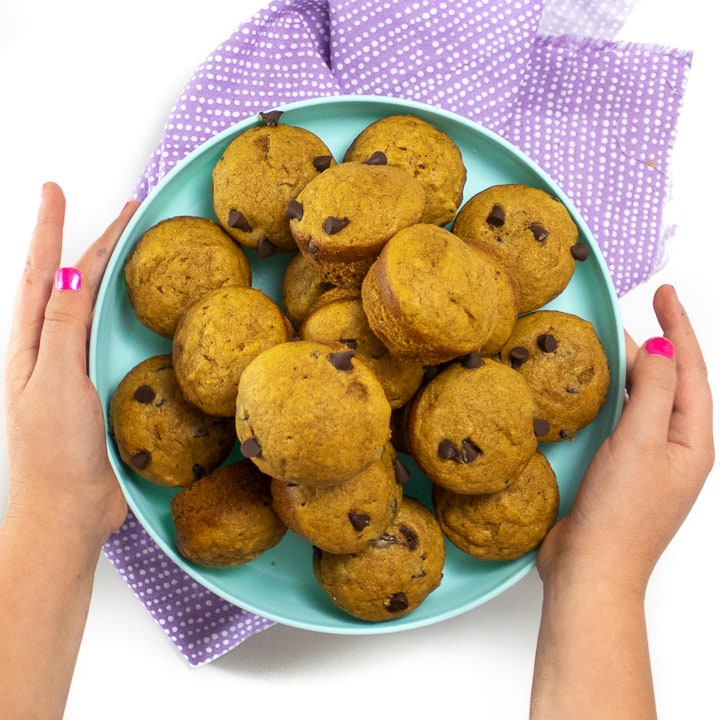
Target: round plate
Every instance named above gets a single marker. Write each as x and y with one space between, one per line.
280 584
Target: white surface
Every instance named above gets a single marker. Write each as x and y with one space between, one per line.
85 89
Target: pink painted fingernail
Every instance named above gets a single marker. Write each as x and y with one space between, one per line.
68 278
660 346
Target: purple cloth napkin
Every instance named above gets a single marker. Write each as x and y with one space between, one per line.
599 116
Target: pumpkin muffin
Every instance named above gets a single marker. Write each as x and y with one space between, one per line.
308 412
175 263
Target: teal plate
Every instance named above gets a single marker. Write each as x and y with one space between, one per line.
280 584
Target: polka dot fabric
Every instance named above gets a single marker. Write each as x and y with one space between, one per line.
599 116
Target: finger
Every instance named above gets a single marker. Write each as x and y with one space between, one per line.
35 287
63 343
693 402
653 381
94 260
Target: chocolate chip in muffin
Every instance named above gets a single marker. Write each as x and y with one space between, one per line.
271 118
518 355
266 247
144 394
359 520
496 218
294 210
250 448
334 225
547 342
140 460
580 251
322 162
238 221
342 360
377 158
397 602
541 427
539 232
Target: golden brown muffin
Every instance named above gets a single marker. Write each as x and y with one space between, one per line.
216 339
532 230
506 524
311 413
429 297
344 517
226 518
260 171
159 434
425 152
176 262
344 321
396 572
471 429
302 287
563 361
342 219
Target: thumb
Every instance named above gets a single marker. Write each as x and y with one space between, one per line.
651 389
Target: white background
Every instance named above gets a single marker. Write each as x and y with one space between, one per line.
85 88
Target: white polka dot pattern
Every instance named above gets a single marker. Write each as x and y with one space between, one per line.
597 115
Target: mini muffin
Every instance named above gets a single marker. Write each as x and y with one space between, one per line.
471 429
506 524
425 152
394 574
532 230
301 288
344 517
311 413
344 321
226 518
342 219
216 339
175 263
260 171
563 361
430 297
158 433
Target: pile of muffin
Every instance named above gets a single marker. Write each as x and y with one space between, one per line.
410 329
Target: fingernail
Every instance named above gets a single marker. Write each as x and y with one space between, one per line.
67 278
660 346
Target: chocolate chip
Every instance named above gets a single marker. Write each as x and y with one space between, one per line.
580 251
141 460
266 247
350 342
342 360
322 162
518 355
496 218
447 450
313 248
539 232
547 343
402 474
144 394
333 225
472 360
397 602
250 448
272 118
198 471
294 210
469 451
377 158
359 520
410 537
430 372
541 427
238 221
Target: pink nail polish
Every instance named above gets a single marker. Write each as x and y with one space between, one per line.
68 278
660 346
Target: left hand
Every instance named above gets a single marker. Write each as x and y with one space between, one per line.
59 472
